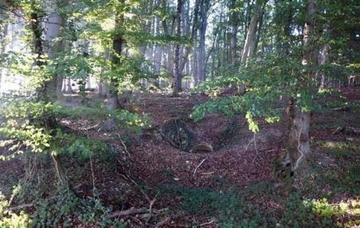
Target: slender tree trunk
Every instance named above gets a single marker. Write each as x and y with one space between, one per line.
251 39
202 31
2 46
158 49
234 20
177 73
324 57
251 35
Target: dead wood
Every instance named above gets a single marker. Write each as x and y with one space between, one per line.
131 211
347 131
202 148
135 211
180 136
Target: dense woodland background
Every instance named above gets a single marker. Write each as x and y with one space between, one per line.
187 113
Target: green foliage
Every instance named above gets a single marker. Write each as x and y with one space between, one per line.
268 85
131 120
82 147
67 210
322 208
341 149
9 219
344 175
26 121
232 208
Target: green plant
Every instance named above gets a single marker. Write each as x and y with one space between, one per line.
9 219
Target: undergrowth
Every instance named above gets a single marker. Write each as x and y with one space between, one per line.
236 208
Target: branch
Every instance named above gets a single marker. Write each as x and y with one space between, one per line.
22 206
123 144
128 212
198 166
134 211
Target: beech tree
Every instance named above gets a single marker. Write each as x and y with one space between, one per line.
117 44
284 69
298 147
177 73
276 48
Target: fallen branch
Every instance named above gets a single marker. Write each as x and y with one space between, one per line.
135 211
198 166
123 144
207 223
22 206
163 222
92 127
131 211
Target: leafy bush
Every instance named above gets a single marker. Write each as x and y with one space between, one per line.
9 218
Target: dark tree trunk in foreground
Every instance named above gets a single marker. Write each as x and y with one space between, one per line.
298 147
118 42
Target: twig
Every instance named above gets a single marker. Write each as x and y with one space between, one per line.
134 211
151 203
338 129
92 175
198 166
252 140
123 144
91 127
207 223
22 206
161 223
255 143
128 212
126 177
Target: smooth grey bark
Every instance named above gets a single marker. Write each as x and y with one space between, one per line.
251 35
204 7
324 58
47 40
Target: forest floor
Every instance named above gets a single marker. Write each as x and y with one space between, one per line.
142 180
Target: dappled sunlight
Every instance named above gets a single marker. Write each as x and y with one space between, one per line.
12 217
341 210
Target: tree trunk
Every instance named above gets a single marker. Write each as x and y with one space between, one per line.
202 31
298 147
50 89
2 47
67 88
118 42
234 20
250 41
177 73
